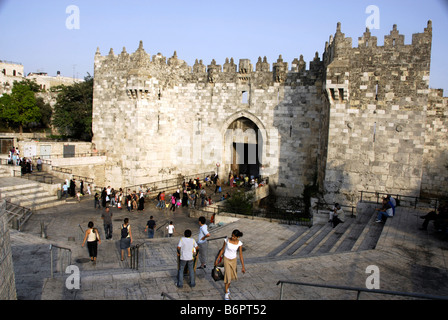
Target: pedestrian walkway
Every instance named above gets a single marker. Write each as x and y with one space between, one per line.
409 259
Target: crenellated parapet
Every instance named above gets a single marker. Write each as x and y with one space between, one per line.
369 73
173 70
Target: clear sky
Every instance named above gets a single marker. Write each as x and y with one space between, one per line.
35 33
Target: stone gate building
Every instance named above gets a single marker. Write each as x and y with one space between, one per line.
359 118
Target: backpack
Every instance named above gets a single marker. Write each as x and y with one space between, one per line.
124 231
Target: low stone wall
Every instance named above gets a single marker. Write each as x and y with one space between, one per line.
7 278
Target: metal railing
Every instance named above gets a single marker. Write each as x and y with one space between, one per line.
63 255
359 290
135 252
72 155
326 206
165 184
290 217
401 199
18 215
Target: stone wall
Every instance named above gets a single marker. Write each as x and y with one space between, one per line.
157 118
435 153
7 279
362 118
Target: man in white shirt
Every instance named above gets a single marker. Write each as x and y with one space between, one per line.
202 242
186 250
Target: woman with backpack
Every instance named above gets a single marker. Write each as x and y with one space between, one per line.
93 239
126 238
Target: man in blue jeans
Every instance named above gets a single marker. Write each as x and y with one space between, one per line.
186 249
150 227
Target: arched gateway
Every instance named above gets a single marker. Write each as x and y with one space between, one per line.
244 142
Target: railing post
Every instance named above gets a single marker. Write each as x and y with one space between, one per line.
51 260
136 258
144 258
281 291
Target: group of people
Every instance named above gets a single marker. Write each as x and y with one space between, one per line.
92 236
26 164
69 189
117 198
189 199
188 249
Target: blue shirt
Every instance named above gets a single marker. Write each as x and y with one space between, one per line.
203 231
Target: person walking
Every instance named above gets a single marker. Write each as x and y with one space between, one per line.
173 203
126 238
186 251
162 200
170 229
93 239
202 242
218 186
150 227
229 250
107 221
97 200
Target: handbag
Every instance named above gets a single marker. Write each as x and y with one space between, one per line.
217 273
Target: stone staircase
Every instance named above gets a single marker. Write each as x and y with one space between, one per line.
28 194
355 234
319 241
23 197
265 244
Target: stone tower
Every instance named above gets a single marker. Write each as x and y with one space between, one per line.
378 99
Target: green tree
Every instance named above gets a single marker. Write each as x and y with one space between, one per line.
240 202
20 108
72 114
46 112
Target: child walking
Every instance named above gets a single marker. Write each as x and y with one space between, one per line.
170 229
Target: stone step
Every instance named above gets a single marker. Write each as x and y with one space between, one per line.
27 193
307 247
19 191
32 198
356 233
22 184
334 238
370 235
292 245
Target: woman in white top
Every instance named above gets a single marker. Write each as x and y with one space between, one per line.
93 239
229 249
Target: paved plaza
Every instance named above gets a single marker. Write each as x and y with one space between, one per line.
408 259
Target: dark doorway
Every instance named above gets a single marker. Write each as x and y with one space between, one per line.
245 159
245 148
